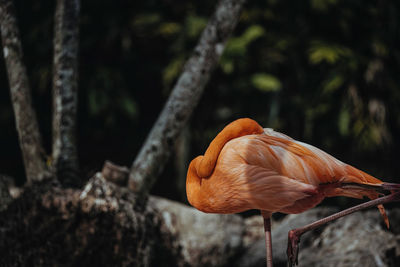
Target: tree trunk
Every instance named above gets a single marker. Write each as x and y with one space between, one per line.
65 91
25 116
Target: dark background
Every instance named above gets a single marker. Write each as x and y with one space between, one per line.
325 72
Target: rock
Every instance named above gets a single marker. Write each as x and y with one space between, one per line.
255 253
201 239
359 239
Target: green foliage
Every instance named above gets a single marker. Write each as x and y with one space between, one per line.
169 29
172 70
322 5
320 52
380 48
333 84
97 100
146 19
237 47
195 25
266 82
129 106
344 121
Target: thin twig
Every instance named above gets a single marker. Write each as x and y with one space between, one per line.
184 97
25 115
65 90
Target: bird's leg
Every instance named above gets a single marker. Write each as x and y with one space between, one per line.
292 251
268 240
295 234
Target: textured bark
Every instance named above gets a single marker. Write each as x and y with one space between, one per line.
65 91
114 173
25 116
98 226
52 226
184 97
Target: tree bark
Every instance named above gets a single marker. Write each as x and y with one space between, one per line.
184 97
65 91
98 226
25 116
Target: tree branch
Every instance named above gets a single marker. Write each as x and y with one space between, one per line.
65 90
184 97
25 116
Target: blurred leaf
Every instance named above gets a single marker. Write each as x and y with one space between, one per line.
322 5
320 52
252 33
370 137
344 121
375 134
172 70
282 44
195 25
146 19
169 28
266 82
379 48
97 101
333 84
269 14
358 127
227 66
129 106
272 2
238 45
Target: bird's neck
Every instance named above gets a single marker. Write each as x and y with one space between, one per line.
193 183
238 128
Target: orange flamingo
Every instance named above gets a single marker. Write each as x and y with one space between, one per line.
248 167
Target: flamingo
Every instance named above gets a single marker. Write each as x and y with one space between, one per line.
247 167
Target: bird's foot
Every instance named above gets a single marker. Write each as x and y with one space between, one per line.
293 248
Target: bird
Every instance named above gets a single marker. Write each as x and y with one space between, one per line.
249 167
